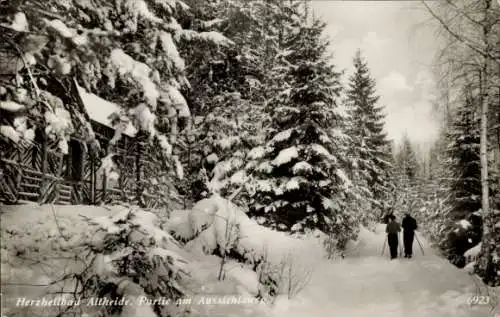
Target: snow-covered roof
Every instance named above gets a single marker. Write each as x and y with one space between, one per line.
100 110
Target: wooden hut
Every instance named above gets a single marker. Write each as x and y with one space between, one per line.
39 172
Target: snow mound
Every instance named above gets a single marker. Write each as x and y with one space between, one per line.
243 275
215 225
216 222
470 267
471 256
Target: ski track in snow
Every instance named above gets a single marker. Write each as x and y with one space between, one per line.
368 284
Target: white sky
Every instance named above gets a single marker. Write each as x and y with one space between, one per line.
399 44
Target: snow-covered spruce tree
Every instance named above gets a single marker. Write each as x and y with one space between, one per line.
433 214
270 22
387 200
227 90
418 191
130 257
406 160
457 225
464 185
369 147
229 119
296 180
463 154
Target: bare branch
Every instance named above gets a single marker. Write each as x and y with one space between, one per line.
462 39
463 13
57 223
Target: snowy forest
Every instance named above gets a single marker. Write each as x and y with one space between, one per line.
265 156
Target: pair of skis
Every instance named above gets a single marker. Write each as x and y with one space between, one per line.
401 246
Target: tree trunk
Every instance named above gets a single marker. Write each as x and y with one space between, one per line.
486 265
485 203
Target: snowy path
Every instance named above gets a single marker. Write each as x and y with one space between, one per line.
370 285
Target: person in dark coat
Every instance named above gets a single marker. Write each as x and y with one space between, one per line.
409 225
392 229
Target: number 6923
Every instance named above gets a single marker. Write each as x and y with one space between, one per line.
478 300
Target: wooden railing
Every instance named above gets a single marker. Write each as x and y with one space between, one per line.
21 184
30 174
9 180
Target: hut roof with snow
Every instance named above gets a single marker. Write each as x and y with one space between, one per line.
102 111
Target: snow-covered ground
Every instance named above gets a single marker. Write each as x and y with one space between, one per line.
37 250
34 253
367 284
39 244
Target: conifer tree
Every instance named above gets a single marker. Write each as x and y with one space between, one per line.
369 148
296 180
229 89
267 23
463 222
406 160
464 161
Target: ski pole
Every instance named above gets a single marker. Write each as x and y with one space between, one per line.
419 244
400 245
383 247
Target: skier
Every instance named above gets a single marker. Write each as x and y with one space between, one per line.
392 229
409 225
